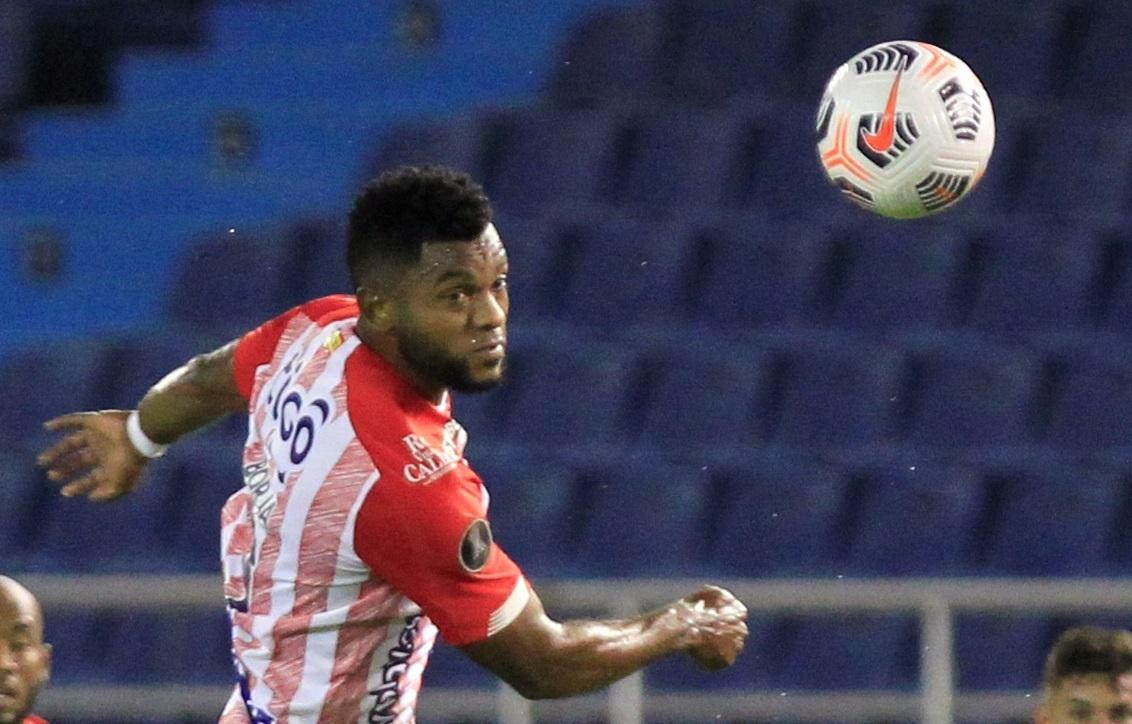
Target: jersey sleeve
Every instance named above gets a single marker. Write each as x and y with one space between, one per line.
434 544
257 347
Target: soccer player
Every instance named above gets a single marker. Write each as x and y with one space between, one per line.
25 661
1088 678
361 530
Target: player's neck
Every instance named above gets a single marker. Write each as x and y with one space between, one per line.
385 346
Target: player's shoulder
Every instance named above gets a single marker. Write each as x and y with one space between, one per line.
328 309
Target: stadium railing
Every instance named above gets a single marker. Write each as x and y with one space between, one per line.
934 601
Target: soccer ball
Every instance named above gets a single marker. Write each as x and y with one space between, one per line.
905 129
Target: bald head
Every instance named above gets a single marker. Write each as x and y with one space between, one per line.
24 659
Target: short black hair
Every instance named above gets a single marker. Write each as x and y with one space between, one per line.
1088 650
409 206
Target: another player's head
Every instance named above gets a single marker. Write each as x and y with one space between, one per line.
1088 678
430 273
25 661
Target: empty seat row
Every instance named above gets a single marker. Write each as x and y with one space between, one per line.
710 52
616 513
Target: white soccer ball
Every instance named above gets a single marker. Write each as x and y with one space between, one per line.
905 129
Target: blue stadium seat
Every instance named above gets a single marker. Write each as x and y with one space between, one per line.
961 393
986 37
854 651
532 248
1093 67
831 392
320 244
611 56
628 272
1111 300
670 160
43 381
1057 186
891 278
711 63
453 142
135 361
1052 521
533 506
1090 394
535 159
1001 651
1031 277
641 517
702 396
23 493
228 283
204 472
758 274
567 393
778 515
915 519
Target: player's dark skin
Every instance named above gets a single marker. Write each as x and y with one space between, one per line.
442 323
25 661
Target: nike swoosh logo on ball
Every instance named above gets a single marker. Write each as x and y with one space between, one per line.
881 141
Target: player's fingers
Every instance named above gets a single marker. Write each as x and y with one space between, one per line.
76 462
64 447
106 493
74 419
82 486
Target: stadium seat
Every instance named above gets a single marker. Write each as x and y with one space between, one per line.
1089 394
917 519
1029 277
23 494
1110 305
628 272
881 279
1001 651
567 392
1092 66
228 283
50 378
320 242
710 63
669 160
961 393
702 396
536 159
777 515
758 275
1051 521
533 507
640 517
854 651
135 361
610 57
532 250
455 143
831 392
448 667
204 472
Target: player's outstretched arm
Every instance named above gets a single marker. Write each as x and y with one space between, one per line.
97 459
543 659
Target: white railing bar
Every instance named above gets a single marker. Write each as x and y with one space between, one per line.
936 662
510 708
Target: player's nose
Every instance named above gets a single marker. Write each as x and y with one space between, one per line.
488 313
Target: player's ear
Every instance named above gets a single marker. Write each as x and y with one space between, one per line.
46 651
375 307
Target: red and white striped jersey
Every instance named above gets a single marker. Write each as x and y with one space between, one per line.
359 532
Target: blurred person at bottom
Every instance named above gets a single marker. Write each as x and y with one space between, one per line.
25 661
361 530
1087 678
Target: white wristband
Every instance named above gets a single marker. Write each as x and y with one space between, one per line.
141 442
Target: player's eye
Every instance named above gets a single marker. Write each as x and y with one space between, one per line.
500 283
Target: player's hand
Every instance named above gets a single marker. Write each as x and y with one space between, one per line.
96 458
719 625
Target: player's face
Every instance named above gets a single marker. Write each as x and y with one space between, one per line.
1093 698
24 659
452 319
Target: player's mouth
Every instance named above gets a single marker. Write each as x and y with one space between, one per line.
492 349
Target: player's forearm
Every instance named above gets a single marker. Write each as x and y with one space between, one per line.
589 655
191 396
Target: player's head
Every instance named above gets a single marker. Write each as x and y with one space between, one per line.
1088 678
430 273
25 661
